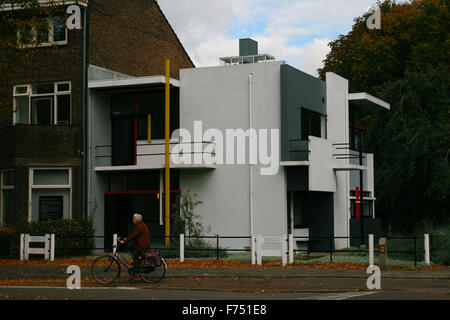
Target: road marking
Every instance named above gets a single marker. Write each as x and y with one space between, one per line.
346 295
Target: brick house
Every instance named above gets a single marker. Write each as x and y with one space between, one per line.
43 123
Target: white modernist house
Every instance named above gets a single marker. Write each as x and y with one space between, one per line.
307 162
267 148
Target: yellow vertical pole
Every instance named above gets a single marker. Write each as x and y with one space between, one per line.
167 154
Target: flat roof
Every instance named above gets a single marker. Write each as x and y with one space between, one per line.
365 100
132 82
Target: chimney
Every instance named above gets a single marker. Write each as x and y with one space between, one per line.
248 47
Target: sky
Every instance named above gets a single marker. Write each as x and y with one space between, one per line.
295 31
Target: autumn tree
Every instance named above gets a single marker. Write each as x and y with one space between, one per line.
406 63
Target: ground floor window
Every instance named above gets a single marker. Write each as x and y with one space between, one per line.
366 208
50 193
7 197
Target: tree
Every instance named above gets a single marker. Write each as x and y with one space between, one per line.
406 63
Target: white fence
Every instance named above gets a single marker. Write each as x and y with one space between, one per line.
48 250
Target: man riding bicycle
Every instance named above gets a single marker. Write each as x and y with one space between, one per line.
138 241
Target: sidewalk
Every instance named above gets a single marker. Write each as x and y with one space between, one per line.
24 271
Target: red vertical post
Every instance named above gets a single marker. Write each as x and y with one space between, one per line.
357 202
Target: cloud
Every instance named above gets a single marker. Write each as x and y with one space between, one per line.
296 31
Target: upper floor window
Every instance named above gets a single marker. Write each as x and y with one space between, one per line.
313 124
44 32
47 103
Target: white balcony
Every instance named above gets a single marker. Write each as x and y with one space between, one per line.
152 156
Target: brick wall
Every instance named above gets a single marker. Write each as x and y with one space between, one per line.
134 39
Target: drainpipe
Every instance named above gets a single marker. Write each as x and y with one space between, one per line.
250 83
84 182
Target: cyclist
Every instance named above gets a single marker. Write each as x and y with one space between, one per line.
138 241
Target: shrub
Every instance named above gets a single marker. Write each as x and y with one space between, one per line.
72 237
440 245
6 235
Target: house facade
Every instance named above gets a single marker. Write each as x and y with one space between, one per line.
44 120
312 194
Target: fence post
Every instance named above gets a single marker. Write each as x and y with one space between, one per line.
114 243
26 245
371 262
217 247
291 248
252 248
415 250
259 249
22 239
52 247
427 248
181 247
283 250
47 247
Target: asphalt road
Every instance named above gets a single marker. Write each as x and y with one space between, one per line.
238 288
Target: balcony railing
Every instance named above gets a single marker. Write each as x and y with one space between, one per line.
152 155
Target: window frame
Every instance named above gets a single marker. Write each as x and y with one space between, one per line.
2 188
53 95
50 41
32 186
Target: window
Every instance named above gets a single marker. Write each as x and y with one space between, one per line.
43 104
50 208
312 124
366 208
47 31
50 193
7 199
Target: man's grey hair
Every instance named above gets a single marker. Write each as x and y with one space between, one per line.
137 216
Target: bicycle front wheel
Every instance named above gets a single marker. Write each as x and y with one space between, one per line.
152 275
105 269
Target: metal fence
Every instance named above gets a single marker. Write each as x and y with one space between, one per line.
213 246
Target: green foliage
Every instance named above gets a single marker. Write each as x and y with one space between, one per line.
190 220
407 64
72 237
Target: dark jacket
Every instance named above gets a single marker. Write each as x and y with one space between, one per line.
140 236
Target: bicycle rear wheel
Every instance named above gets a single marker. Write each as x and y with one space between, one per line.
152 276
105 269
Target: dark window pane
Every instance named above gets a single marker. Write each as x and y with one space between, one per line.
122 104
311 124
21 90
43 88
9 216
59 28
8 178
63 87
63 109
143 128
25 35
306 128
315 125
22 110
42 111
42 31
50 207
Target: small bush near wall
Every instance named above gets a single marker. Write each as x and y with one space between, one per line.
6 234
72 237
440 245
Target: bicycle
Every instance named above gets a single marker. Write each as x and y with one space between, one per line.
106 269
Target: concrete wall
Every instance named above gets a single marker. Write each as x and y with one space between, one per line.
338 132
219 96
99 133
